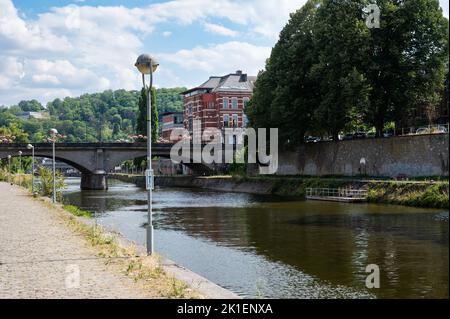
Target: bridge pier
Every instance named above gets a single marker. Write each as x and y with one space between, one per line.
94 181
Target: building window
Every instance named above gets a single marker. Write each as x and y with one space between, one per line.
226 120
178 119
225 102
234 103
235 120
190 108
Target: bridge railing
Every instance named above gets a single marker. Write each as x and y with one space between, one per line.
336 192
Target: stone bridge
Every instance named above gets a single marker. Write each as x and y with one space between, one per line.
95 160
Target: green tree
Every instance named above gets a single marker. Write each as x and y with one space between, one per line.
340 37
407 60
141 127
31 106
330 72
14 131
284 95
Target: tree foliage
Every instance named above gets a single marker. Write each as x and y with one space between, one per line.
329 72
142 118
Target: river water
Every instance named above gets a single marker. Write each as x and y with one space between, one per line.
259 246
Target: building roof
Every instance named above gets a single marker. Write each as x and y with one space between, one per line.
231 82
36 115
170 113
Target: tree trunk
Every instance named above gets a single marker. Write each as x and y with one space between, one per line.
379 126
335 136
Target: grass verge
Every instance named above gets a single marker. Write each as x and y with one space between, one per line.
431 195
428 194
74 210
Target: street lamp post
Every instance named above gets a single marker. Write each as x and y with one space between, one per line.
31 147
362 163
53 133
9 169
20 168
146 64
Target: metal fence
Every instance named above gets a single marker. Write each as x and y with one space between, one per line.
336 192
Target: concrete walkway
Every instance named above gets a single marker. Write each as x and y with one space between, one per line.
40 257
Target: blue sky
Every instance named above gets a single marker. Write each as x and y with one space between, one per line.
51 49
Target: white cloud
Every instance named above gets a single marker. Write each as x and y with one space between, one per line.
444 5
45 79
271 15
11 71
222 58
80 48
219 29
265 17
16 34
62 73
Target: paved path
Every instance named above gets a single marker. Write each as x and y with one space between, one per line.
39 256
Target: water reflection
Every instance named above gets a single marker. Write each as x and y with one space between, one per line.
263 246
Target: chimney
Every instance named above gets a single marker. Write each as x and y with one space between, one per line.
239 72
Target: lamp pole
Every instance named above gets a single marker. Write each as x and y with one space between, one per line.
147 65
31 147
53 133
362 163
20 168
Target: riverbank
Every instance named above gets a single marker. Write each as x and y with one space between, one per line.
86 260
427 194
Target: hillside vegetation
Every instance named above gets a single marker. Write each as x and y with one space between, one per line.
106 116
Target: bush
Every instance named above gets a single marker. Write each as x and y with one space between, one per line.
45 186
23 179
410 194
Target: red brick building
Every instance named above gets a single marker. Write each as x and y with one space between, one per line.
169 122
219 102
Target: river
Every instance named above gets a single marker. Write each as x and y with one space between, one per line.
268 247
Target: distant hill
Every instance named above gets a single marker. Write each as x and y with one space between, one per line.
106 116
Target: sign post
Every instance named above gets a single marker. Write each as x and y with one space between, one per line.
149 180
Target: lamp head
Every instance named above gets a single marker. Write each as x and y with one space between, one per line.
20 152
29 146
53 131
9 156
146 64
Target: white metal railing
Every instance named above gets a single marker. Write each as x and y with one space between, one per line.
336 192
425 129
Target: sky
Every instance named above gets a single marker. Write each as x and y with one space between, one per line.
53 49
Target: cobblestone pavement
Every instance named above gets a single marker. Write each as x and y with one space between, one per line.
40 257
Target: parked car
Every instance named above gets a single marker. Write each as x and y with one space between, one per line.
401 177
442 129
347 137
370 135
435 129
359 135
312 139
423 130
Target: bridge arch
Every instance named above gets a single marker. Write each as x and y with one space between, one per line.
58 158
95 160
198 168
